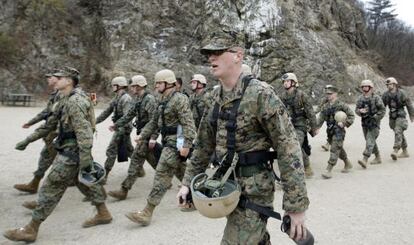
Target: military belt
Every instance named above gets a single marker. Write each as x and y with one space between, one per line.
256 157
249 170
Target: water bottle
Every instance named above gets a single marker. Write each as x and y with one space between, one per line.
180 137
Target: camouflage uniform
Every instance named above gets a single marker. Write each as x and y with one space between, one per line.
198 105
143 109
262 123
173 110
370 121
119 106
302 117
336 134
398 122
74 120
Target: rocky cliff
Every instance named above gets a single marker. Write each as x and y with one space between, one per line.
321 41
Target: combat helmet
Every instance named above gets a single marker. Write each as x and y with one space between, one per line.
367 83
391 80
290 76
165 75
340 116
200 78
120 81
91 175
139 80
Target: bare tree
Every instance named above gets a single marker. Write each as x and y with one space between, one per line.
380 12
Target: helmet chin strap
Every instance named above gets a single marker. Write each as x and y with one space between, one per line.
167 87
291 85
198 87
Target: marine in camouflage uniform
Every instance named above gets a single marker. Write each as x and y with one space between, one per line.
143 109
370 108
396 100
262 123
173 111
198 98
335 130
120 144
48 152
301 114
74 120
326 146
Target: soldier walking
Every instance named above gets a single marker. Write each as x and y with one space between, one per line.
336 123
198 98
74 122
396 100
370 108
173 115
120 144
301 115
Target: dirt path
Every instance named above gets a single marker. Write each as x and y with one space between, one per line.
373 206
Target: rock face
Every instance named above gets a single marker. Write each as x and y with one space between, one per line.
321 41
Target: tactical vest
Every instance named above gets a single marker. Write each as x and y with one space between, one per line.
393 100
166 130
117 114
367 119
138 123
296 109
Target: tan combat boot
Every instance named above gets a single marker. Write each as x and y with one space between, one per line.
394 154
404 153
140 171
363 162
347 166
31 187
142 217
30 204
120 194
102 217
325 147
308 172
328 173
377 159
25 234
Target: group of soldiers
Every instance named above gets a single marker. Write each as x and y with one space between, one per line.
238 122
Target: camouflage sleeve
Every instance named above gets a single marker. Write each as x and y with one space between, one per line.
203 148
274 119
105 114
384 99
310 113
407 102
39 117
126 103
186 120
78 116
380 107
350 116
151 127
150 106
321 118
358 105
43 130
127 117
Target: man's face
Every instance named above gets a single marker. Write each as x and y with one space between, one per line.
194 84
160 87
390 87
51 81
223 62
114 88
62 83
135 89
287 84
331 96
366 89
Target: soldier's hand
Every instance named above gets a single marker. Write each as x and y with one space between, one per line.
341 124
182 195
297 226
184 151
112 128
363 110
315 132
21 146
26 125
151 144
138 138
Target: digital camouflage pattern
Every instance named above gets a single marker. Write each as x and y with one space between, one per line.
119 106
370 121
262 123
336 134
177 111
396 103
198 104
75 121
302 116
143 109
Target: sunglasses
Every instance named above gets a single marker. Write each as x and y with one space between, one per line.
220 52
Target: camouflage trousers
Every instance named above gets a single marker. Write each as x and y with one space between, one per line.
140 154
245 226
112 150
301 138
370 135
399 125
337 149
47 155
168 165
63 173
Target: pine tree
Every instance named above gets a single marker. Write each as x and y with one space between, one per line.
380 12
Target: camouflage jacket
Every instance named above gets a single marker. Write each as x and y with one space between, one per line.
198 105
119 106
376 110
262 123
46 112
328 111
174 109
74 120
300 110
143 108
396 103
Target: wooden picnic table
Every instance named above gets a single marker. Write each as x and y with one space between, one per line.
15 99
